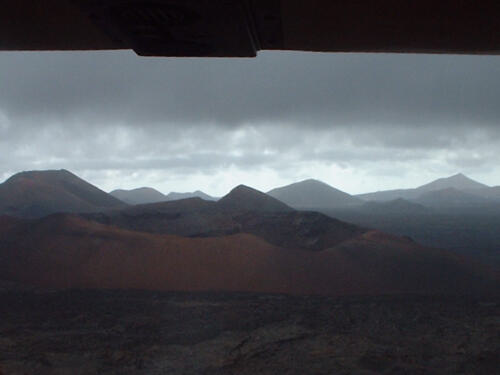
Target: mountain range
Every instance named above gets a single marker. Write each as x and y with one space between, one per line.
38 193
58 230
242 210
197 245
149 195
449 185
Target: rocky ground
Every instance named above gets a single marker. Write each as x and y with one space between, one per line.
133 332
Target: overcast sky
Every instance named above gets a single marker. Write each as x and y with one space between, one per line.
360 122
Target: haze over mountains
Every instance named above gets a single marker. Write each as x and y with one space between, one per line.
455 213
458 182
451 198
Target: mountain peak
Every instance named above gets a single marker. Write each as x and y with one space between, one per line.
244 188
140 195
311 181
173 196
312 194
45 174
459 177
249 199
458 181
39 193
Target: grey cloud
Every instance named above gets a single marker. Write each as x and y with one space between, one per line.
308 89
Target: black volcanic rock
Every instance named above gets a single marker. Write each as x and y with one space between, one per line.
313 194
244 198
38 193
298 229
139 196
141 332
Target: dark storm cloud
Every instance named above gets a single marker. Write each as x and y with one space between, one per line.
309 89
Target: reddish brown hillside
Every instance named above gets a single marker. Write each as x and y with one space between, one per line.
66 251
38 193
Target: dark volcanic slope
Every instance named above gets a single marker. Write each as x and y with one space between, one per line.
243 210
139 196
313 194
68 251
244 198
185 217
39 193
297 229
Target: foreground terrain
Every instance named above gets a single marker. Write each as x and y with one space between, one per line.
66 251
133 332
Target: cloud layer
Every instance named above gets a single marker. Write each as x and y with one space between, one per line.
357 121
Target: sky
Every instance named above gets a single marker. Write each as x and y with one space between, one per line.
359 122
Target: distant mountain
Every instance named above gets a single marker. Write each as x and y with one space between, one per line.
248 199
458 182
38 193
491 193
312 194
139 196
147 195
390 195
166 207
173 196
395 207
243 210
451 198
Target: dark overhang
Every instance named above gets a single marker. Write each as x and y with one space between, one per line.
228 28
